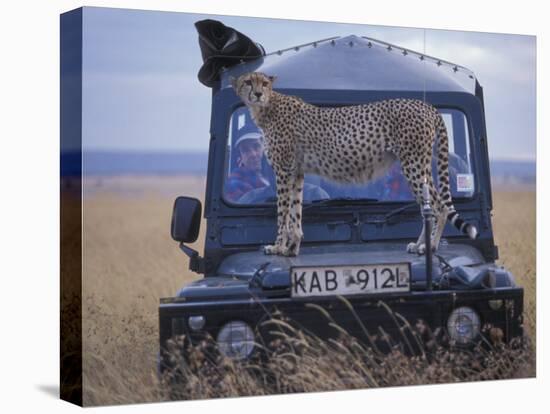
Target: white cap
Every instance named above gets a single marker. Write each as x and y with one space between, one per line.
251 135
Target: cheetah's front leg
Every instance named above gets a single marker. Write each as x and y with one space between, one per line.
295 223
283 207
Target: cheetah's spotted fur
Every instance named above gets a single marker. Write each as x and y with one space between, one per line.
351 144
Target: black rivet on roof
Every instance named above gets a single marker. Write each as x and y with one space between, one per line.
350 44
296 48
332 42
369 44
455 69
405 53
438 63
470 76
389 48
421 57
279 52
314 44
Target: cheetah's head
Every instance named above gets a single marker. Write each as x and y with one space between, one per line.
254 88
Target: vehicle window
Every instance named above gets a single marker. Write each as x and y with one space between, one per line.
250 180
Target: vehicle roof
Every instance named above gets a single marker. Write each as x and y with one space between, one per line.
357 63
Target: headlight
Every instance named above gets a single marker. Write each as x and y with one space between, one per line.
197 322
463 325
236 340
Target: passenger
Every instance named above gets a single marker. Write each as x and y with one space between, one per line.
395 186
248 174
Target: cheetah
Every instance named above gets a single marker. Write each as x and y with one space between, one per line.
350 144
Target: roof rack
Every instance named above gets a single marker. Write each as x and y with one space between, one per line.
298 47
405 51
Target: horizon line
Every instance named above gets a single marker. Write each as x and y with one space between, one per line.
205 151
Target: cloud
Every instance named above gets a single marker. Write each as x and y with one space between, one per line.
145 112
142 91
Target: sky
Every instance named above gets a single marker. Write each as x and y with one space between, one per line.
141 91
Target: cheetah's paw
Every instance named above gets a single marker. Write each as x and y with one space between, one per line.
419 249
412 248
272 249
292 250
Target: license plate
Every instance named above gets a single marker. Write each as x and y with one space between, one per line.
349 280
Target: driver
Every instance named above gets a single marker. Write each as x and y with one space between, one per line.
248 174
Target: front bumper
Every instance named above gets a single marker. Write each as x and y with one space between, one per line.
363 317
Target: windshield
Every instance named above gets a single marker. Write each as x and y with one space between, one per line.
249 180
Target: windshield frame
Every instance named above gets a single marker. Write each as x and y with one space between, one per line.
318 204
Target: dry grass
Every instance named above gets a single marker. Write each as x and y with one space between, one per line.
302 363
130 262
514 225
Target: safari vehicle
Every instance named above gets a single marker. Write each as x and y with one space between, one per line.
355 236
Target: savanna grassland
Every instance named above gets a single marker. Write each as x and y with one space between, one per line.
130 261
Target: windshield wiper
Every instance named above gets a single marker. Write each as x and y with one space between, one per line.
340 201
393 213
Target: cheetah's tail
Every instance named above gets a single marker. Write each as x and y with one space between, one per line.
444 187
466 228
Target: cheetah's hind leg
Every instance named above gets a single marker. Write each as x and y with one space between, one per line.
415 247
437 230
418 247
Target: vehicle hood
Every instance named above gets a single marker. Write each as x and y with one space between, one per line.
276 269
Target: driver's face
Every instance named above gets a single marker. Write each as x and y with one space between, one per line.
251 154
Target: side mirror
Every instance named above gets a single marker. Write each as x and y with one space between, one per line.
186 219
